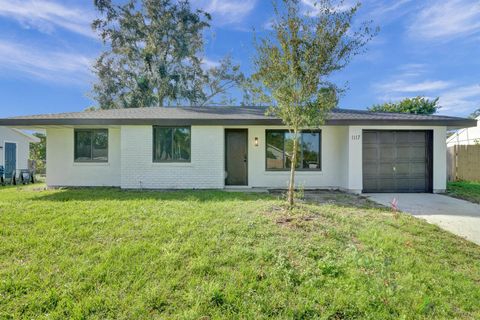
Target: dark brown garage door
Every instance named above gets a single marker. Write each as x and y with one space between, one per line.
397 161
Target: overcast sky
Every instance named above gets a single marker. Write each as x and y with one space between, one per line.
427 48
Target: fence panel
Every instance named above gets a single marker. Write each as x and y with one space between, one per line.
463 162
451 164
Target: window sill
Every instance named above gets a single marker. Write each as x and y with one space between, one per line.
172 164
90 164
316 171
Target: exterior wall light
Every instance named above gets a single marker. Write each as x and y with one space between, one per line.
256 142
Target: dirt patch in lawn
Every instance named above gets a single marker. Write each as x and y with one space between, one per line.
332 197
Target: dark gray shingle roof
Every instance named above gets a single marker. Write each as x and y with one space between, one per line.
222 116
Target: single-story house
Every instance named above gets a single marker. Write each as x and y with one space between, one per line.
465 136
15 149
222 147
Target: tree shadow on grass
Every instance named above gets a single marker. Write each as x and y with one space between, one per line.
116 194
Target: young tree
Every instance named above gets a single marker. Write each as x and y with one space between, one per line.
417 105
154 56
293 65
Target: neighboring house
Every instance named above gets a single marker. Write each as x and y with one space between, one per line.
15 149
466 136
219 147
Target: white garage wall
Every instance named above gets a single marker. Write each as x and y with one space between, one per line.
63 171
439 155
23 146
205 171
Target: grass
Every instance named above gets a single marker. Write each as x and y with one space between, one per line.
111 254
467 190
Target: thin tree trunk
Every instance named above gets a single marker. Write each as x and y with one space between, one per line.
291 187
161 99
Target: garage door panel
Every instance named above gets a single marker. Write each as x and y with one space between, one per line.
386 184
403 152
385 170
402 137
370 184
371 153
386 152
397 161
386 137
370 169
403 184
418 170
410 185
370 137
419 184
417 137
418 152
402 169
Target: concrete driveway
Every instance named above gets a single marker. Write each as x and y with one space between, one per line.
457 216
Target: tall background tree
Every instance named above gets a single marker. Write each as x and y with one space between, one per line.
417 105
475 114
154 56
38 152
293 65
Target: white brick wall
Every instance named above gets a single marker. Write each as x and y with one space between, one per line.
63 171
131 165
332 174
206 169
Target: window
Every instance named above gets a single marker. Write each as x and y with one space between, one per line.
171 144
91 145
280 145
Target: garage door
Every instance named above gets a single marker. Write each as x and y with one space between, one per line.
397 161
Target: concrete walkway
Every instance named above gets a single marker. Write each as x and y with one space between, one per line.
457 216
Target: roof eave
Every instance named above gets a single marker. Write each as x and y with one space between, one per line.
459 123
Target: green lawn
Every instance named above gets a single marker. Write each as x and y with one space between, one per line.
468 190
111 254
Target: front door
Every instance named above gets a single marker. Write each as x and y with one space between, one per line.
10 158
236 157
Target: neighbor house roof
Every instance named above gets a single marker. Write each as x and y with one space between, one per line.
30 137
222 116
16 132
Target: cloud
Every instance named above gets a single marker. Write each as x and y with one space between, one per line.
227 11
403 86
455 98
18 60
268 25
412 69
46 16
447 19
388 10
409 81
461 100
209 64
